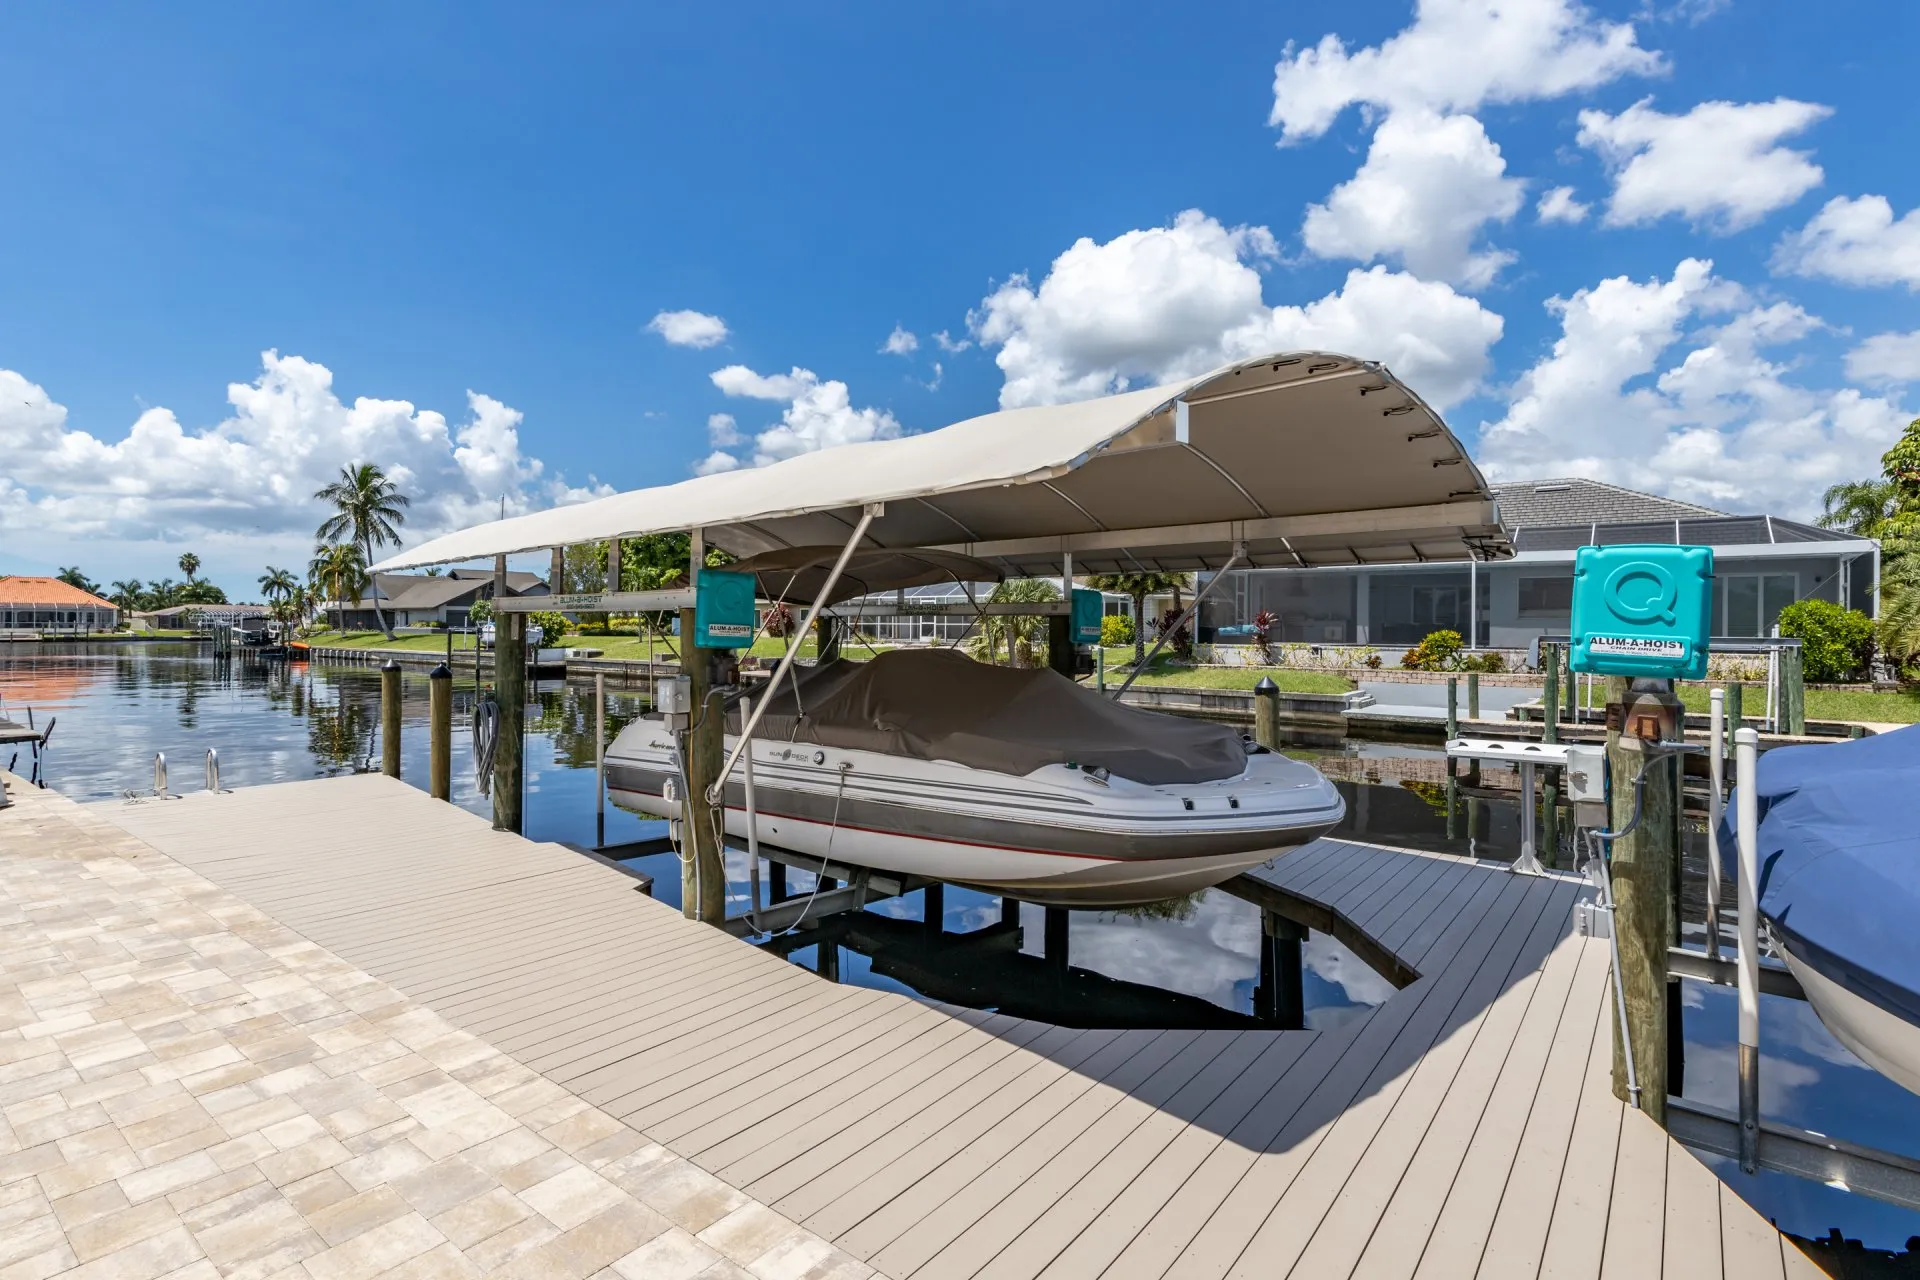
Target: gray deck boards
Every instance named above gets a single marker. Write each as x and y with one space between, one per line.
1465 1127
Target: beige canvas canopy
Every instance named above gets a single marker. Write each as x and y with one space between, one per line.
1299 458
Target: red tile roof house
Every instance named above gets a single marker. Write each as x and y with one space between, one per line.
48 604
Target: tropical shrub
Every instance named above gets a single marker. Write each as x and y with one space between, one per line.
1263 627
552 625
1836 643
1490 662
1116 629
590 629
1438 652
480 611
779 620
1181 641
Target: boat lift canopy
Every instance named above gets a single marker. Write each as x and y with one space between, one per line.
1294 459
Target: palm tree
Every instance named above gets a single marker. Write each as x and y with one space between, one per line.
368 510
72 576
1017 630
338 569
1900 608
278 586
189 564
126 594
1140 586
1860 507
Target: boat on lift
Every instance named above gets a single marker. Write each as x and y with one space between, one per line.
1839 857
1019 782
1290 459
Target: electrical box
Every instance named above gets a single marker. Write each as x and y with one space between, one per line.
1586 775
723 609
1087 610
673 696
1642 610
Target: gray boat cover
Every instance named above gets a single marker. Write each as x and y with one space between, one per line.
935 704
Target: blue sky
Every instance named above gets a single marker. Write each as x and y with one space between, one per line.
470 215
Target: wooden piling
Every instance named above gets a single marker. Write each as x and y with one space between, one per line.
1453 707
826 644
510 692
390 718
1266 713
1641 864
1793 690
1010 911
1473 695
1734 720
440 732
1062 655
933 907
703 877
1054 942
1280 999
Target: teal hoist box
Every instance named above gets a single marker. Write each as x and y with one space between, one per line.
723 609
1642 610
1088 606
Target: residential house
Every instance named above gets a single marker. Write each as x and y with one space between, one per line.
48 604
418 599
1762 563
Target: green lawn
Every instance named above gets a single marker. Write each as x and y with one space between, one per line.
374 640
1902 707
1164 672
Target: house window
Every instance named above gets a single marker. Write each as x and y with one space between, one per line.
1547 595
1747 605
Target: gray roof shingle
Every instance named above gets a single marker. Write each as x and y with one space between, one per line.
1533 504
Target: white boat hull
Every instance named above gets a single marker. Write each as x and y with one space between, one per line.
1058 836
1884 1041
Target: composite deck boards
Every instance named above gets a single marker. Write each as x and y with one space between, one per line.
1466 1126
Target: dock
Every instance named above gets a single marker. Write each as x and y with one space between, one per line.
1466 1126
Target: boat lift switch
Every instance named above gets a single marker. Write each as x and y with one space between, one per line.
1088 606
723 609
1642 610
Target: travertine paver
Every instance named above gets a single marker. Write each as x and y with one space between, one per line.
190 1090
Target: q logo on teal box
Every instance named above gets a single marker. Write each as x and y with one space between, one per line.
1642 610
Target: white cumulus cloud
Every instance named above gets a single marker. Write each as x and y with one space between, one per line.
901 342
1152 302
251 476
1558 205
1456 56
1855 241
1434 339
1633 394
1720 165
1152 305
950 344
1429 184
818 415
1886 357
689 328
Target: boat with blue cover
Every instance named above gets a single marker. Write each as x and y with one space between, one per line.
1839 883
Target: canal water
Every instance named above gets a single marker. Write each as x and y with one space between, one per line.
1191 962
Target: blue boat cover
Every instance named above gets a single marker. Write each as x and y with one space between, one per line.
1839 851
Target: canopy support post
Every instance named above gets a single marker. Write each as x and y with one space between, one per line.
814 610
1239 554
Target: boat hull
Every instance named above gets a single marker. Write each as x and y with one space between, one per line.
1061 839
1878 1037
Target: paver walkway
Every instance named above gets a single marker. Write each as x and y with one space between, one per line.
190 1089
